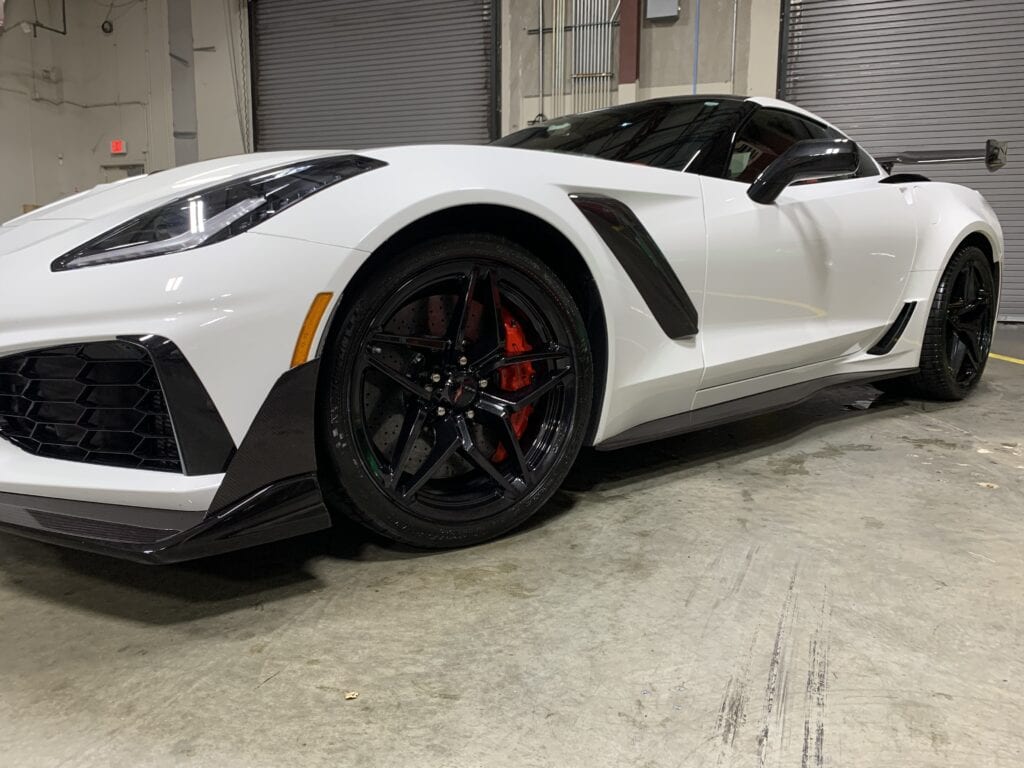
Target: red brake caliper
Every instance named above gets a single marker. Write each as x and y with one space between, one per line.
512 378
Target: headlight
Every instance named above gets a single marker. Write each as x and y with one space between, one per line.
216 213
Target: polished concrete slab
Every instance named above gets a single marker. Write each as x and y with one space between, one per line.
838 584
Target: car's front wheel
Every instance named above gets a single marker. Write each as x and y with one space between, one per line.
460 386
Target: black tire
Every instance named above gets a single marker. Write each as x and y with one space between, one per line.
434 439
958 336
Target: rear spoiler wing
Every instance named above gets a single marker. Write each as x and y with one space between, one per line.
994 156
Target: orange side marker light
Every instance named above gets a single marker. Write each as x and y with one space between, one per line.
307 333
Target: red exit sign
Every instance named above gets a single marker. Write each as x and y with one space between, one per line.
118 147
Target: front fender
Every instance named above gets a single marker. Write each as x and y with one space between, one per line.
649 375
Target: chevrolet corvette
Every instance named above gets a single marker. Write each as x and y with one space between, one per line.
423 338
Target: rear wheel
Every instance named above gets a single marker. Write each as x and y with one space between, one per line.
958 336
459 392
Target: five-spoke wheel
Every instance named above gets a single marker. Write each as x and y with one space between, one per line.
969 316
460 392
958 335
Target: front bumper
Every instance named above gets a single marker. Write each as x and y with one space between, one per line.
283 509
233 309
269 492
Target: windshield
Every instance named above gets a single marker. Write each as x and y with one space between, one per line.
665 134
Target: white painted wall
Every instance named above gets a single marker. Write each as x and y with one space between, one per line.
63 98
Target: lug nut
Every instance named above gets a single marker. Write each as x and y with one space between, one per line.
375 350
428 389
440 410
463 360
482 383
435 377
470 413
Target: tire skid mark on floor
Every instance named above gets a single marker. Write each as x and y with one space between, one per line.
732 712
774 707
741 576
816 692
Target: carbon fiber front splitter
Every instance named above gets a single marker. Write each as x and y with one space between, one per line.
286 508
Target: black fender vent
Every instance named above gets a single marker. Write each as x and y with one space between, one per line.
98 403
634 248
899 325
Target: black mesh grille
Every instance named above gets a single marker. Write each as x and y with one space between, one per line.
99 403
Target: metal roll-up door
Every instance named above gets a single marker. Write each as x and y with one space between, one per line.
352 74
921 74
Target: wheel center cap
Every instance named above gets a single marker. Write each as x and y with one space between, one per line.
460 391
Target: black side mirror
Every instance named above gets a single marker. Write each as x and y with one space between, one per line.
811 159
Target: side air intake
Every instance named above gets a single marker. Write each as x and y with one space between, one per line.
888 341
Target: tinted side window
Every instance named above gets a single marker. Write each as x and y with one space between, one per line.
674 138
663 134
766 135
769 133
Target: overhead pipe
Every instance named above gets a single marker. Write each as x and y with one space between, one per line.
563 10
601 61
596 59
732 61
583 42
583 25
597 62
696 47
556 50
561 57
540 64
588 51
587 64
580 38
554 58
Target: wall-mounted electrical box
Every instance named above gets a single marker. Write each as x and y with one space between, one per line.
662 10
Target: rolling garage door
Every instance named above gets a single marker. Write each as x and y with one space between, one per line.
921 74
347 73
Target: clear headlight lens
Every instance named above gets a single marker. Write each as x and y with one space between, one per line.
216 213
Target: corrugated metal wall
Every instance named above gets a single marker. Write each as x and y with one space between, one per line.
928 74
345 73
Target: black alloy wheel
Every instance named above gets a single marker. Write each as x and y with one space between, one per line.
969 317
459 394
958 336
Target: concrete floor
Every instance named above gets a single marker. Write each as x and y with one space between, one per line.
839 584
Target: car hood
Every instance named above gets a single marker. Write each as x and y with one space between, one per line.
137 194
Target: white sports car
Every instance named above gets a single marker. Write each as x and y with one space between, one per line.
423 337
